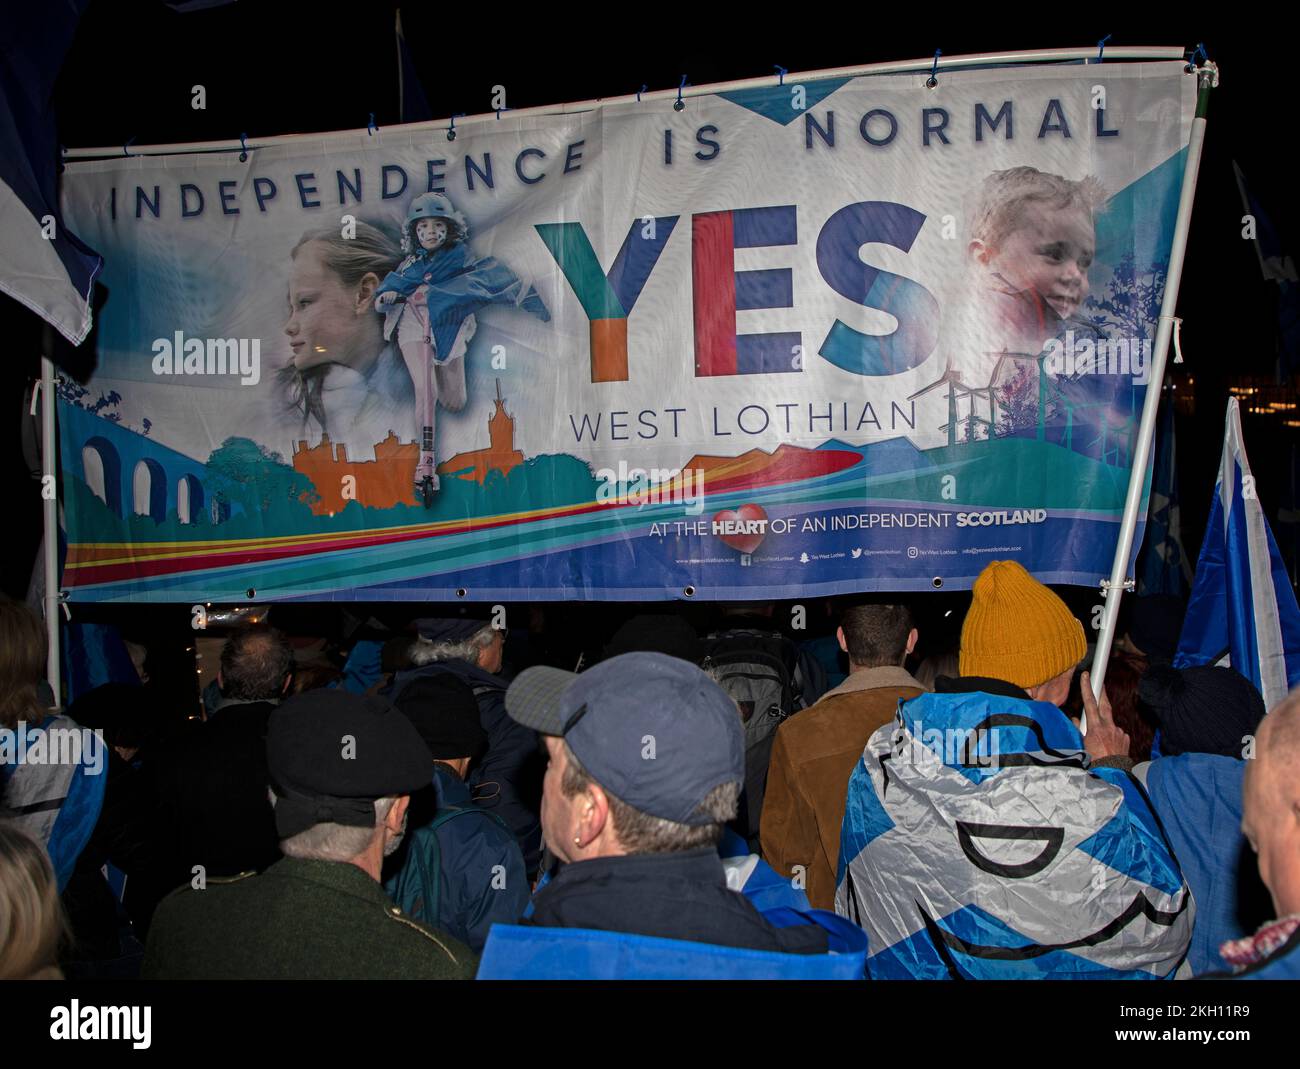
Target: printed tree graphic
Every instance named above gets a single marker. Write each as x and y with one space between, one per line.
1131 306
1017 405
257 478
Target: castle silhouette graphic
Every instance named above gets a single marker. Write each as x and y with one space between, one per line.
388 480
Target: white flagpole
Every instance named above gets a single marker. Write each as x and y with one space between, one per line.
50 518
1112 590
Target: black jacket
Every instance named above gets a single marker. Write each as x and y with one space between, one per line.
669 896
213 791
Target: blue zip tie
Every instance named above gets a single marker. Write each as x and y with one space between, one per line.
639 92
933 80
370 126
243 146
1101 46
451 130
680 104
1200 51
499 111
127 146
781 72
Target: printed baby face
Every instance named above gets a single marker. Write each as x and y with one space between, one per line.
1048 253
430 232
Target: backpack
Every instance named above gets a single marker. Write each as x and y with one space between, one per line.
417 886
762 672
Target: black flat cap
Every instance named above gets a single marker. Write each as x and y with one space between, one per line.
332 753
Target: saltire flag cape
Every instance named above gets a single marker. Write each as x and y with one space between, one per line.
457 286
43 265
1242 604
978 844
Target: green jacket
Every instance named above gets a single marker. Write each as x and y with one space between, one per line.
299 920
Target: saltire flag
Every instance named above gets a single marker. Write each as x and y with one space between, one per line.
43 265
413 105
1242 603
1277 267
979 844
1164 568
1288 518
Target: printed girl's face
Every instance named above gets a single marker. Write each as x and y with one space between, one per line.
327 323
430 233
1049 253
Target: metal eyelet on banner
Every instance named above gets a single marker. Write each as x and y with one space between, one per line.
461 592
932 81
937 582
689 591
243 148
251 593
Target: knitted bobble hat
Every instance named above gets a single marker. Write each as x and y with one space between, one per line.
1017 630
1206 709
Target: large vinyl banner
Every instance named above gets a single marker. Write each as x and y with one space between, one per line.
826 336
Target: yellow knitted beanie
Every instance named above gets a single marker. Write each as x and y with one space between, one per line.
1017 629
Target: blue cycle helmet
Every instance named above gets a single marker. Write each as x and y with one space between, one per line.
432 206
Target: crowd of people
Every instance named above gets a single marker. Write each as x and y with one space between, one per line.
718 802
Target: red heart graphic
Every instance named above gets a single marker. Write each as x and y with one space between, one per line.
738 537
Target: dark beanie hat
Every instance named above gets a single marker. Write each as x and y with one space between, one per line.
655 633
1155 622
1201 710
445 713
331 753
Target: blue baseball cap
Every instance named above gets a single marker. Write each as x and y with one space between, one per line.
653 730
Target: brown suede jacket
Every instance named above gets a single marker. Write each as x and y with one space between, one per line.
808 780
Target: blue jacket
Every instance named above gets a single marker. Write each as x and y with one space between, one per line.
514 952
463 872
457 285
1198 800
508 780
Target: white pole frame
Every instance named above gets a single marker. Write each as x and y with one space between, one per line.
1112 589
50 511
363 136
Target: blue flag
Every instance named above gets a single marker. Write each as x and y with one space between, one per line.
1278 267
42 264
413 105
1242 604
1163 566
